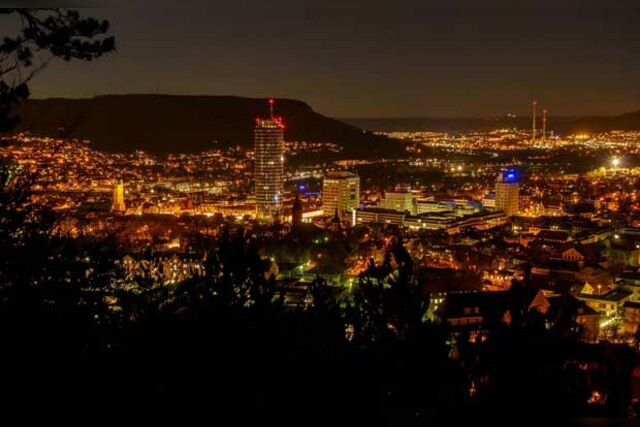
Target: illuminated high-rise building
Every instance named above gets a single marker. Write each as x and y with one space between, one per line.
269 165
340 193
118 205
508 193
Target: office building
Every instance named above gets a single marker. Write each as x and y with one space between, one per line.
508 193
400 200
341 194
378 216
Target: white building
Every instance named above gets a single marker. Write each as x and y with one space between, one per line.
400 200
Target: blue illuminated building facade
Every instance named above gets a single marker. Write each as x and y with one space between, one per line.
508 192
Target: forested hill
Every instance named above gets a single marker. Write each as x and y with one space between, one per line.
162 124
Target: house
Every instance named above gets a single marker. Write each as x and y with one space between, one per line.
608 304
553 207
630 281
630 278
581 210
589 237
463 309
573 254
293 293
540 303
595 275
482 309
631 316
589 319
557 267
437 283
623 250
290 270
334 275
566 309
553 237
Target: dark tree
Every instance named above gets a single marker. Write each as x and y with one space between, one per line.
45 34
636 338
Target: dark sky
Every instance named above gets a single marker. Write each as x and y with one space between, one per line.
375 58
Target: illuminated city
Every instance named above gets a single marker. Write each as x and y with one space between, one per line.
253 257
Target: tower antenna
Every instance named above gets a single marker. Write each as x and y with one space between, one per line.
534 104
271 102
544 125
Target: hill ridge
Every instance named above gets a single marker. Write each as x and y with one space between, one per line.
162 124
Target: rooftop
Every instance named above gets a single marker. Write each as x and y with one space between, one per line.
615 295
327 269
553 235
630 275
340 175
380 210
632 304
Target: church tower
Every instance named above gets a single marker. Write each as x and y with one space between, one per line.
118 205
296 212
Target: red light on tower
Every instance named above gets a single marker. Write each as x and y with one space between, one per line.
271 102
534 104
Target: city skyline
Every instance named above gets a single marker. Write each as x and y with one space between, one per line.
446 60
252 259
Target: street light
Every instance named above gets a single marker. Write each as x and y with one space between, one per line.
615 162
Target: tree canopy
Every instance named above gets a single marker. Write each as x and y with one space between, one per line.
44 34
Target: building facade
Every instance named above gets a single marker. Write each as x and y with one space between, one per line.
400 200
118 205
341 193
378 216
508 193
432 206
269 166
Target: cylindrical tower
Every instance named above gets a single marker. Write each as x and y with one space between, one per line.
534 104
269 165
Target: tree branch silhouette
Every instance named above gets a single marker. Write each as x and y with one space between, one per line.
45 34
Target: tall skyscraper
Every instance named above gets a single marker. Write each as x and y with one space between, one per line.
508 193
340 193
269 165
118 205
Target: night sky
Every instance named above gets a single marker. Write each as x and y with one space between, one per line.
375 58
